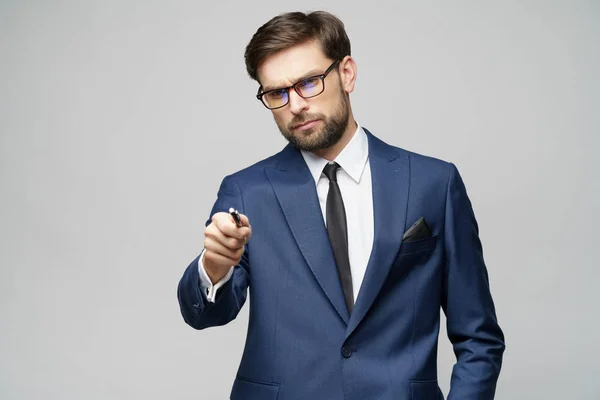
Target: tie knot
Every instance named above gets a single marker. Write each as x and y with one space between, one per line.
330 171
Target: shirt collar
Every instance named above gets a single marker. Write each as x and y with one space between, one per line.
351 159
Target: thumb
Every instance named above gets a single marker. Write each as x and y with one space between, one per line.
245 221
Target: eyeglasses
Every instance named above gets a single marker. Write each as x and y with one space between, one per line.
306 88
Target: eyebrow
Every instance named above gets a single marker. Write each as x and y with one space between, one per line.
309 74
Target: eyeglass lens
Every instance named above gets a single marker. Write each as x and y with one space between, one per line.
306 88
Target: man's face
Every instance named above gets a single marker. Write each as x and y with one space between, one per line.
313 123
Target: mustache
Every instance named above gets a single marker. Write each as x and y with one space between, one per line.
303 118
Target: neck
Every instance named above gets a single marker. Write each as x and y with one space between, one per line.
332 152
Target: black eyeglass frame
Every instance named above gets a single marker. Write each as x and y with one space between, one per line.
287 89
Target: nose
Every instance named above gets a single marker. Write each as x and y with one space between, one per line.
297 103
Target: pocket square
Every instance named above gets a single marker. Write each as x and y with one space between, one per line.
419 230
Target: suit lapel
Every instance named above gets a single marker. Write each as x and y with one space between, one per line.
296 192
390 184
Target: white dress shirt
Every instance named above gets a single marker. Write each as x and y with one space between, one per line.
354 180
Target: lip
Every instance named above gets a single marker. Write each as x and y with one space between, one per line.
306 125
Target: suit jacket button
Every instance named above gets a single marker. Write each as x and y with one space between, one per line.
346 351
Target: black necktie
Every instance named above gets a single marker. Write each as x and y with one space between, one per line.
338 232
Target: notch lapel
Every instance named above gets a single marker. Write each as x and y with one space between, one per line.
390 174
296 192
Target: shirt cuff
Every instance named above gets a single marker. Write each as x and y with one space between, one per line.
206 284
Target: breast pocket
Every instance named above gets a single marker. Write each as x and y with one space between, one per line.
418 246
245 389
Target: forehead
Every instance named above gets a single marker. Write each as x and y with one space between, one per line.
287 66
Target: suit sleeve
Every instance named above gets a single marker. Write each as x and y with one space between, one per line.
196 309
472 326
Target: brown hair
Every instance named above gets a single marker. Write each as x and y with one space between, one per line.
290 29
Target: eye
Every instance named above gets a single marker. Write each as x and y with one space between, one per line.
276 94
309 82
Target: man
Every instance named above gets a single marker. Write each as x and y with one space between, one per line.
349 246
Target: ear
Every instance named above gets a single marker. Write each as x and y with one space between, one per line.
347 69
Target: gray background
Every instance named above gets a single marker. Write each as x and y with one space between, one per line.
117 120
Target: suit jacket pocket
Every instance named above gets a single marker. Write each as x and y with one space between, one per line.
245 389
426 390
417 246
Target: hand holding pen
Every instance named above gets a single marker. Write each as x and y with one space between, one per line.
224 242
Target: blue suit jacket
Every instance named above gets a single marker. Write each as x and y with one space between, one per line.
301 342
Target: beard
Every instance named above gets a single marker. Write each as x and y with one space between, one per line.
314 139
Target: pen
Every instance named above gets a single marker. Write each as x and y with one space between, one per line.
236 217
